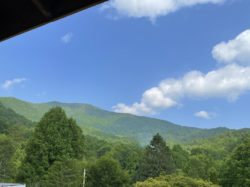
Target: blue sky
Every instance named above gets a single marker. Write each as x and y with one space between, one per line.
188 63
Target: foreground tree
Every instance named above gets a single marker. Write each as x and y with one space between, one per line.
174 181
106 173
128 156
56 138
157 160
64 174
201 165
7 151
236 172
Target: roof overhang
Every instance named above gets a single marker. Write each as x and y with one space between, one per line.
18 16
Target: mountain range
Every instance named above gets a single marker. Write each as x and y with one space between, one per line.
98 122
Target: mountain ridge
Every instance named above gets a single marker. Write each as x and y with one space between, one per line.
93 119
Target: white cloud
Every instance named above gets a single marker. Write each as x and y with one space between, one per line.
153 8
228 82
8 84
67 38
236 50
204 114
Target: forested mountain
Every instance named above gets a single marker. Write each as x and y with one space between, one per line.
56 151
9 119
222 145
99 121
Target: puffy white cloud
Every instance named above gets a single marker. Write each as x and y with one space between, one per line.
153 8
228 82
8 84
67 38
236 50
204 114
136 108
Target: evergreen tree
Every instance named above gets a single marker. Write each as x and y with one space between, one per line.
157 160
56 138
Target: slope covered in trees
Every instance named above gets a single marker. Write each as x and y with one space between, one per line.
56 153
97 121
9 119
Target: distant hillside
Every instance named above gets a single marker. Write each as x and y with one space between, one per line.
9 119
222 145
95 120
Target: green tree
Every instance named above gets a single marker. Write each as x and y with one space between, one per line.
202 164
236 172
7 151
56 138
106 172
93 147
64 174
128 156
180 156
174 181
197 167
157 160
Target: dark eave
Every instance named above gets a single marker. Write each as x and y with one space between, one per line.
18 16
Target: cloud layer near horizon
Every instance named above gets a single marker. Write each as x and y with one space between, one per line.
228 82
154 8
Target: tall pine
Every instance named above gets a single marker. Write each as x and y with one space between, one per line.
157 160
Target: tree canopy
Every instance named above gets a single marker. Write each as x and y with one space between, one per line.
54 153
64 174
7 151
174 181
236 172
56 138
106 172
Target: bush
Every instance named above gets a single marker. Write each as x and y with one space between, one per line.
174 181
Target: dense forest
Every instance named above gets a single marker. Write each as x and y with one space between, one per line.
55 151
